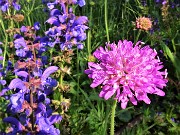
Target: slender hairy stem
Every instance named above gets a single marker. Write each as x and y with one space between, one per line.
6 35
77 68
5 51
61 75
29 13
137 37
106 19
112 117
107 118
61 85
89 34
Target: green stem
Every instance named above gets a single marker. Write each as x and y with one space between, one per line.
143 132
5 51
6 36
2 25
61 75
85 95
11 20
29 20
137 37
89 34
107 118
77 68
61 84
112 117
51 54
106 20
29 13
174 47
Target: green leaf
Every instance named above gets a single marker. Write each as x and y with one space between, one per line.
125 116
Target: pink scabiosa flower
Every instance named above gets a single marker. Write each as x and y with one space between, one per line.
128 71
143 23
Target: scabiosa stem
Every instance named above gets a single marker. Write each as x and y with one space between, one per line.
106 19
89 33
113 116
107 118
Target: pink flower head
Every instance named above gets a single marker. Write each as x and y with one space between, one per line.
143 23
130 72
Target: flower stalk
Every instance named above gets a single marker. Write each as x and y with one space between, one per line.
106 19
113 117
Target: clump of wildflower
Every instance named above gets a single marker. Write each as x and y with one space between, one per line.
143 23
130 72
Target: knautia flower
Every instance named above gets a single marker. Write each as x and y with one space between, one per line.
127 71
143 23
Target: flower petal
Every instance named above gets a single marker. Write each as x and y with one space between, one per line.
17 83
14 122
47 72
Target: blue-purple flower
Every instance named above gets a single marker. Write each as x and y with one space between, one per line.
6 4
67 30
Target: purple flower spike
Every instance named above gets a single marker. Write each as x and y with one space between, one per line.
130 72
